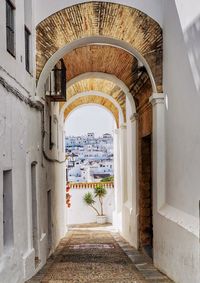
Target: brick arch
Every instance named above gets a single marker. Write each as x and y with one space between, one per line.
99 85
101 19
102 59
96 100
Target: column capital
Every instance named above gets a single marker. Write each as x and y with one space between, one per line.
157 98
134 117
123 126
116 131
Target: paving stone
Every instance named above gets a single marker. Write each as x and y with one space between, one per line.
97 257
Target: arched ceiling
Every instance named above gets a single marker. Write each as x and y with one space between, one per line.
101 19
45 8
91 99
101 58
100 85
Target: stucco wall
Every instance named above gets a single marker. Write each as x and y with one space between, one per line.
182 130
20 144
180 222
80 213
188 12
15 66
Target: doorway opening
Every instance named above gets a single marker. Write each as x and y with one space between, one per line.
146 203
90 165
7 210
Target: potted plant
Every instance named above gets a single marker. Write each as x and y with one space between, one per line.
89 199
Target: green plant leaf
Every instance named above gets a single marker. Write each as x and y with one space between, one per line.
100 191
108 179
88 198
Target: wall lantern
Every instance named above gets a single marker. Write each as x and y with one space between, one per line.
55 86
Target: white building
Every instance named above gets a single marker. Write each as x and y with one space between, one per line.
160 38
93 157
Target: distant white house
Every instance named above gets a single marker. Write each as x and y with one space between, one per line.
89 159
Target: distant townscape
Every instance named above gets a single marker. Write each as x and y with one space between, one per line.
90 159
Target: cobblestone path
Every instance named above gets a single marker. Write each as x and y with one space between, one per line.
97 256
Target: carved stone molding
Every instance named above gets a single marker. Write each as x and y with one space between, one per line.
123 127
157 98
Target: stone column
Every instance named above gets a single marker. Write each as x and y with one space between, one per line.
159 154
133 194
117 186
123 173
123 162
133 160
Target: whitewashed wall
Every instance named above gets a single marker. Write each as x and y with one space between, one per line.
16 66
80 213
176 226
21 144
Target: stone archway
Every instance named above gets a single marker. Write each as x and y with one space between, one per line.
120 118
101 86
97 21
92 100
91 26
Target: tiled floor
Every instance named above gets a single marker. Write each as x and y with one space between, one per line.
92 255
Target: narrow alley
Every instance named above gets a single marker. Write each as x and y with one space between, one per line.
136 166
97 255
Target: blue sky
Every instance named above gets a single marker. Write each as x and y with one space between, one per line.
89 118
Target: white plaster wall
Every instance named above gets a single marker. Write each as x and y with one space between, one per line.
20 141
80 213
21 145
16 66
188 12
182 128
56 175
153 8
176 226
58 204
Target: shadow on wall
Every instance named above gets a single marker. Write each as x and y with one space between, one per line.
192 40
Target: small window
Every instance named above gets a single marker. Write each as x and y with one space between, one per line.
7 209
10 28
27 48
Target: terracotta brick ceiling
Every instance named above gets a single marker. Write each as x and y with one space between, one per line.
93 100
100 85
101 58
101 19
